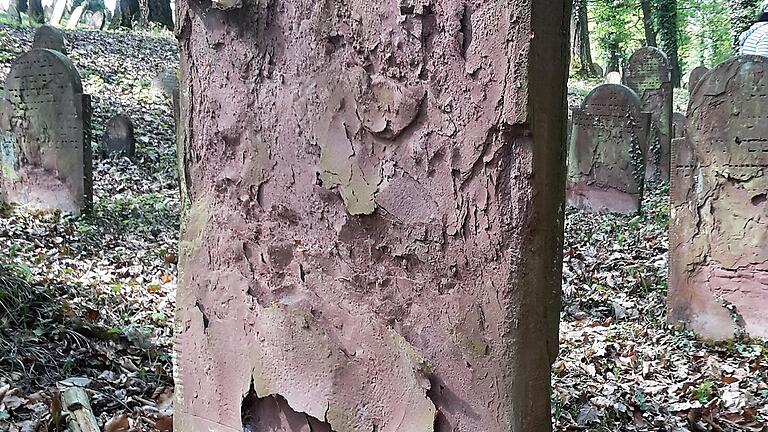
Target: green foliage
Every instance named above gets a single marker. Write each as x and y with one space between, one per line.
704 33
618 30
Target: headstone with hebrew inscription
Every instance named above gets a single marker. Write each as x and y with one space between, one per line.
695 76
648 74
607 150
718 234
47 153
50 38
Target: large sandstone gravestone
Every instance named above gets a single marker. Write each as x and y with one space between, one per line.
607 150
46 150
718 239
119 139
648 74
695 76
49 37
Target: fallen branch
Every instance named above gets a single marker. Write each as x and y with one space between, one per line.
81 418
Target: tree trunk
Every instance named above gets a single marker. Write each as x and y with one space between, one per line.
35 11
615 62
650 35
667 21
366 244
582 51
160 12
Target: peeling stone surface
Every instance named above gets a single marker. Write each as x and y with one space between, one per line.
46 151
719 223
648 74
607 150
373 215
695 76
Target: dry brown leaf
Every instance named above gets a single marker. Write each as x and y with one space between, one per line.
118 423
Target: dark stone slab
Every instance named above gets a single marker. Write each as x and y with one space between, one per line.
119 139
648 74
46 145
49 37
718 239
608 146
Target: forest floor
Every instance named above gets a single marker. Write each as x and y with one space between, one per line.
89 301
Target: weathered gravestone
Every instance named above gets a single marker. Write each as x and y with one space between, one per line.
695 76
95 20
718 240
119 139
648 74
678 125
608 145
49 37
47 155
77 15
598 69
165 83
58 12
613 78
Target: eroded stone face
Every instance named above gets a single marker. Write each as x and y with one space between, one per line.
49 37
678 125
695 76
648 74
374 224
608 145
719 225
47 155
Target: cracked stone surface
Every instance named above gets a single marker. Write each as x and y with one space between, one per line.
45 154
695 76
373 215
719 222
605 162
648 74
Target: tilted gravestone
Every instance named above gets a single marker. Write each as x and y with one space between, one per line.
718 235
95 20
613 78
119 139
648 74
695 76
49 37
607 150
598 69
46 150
678 125
59 7
77 15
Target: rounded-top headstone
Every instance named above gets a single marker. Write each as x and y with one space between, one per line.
695 76
648 74
118 139
613 78
718 238
49 37
51 160
608 145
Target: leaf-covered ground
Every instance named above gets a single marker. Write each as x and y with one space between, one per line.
101 287
94 296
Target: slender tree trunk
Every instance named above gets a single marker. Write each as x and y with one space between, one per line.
667 20
615 62
650 34
582 51
35 11
364 246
